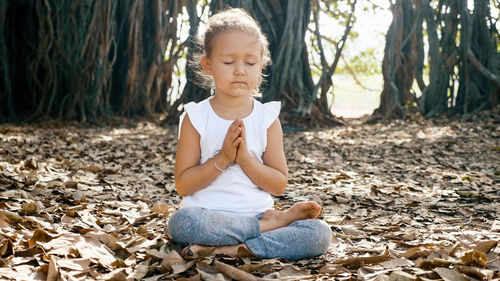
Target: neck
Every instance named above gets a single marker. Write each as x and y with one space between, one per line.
232 107
232 102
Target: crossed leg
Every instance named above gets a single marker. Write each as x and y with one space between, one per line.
271 219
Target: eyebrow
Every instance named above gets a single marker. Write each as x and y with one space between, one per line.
235 55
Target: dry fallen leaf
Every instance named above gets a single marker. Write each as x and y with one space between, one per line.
160 208
486 246
450 274
53 271
357 262
431 199
233 272
474 258
95 251
174 263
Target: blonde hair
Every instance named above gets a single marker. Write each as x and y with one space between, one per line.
232 19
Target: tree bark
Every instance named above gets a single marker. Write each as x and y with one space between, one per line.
479 82
442 57
192 91
399 65
5 82
86 59
290 77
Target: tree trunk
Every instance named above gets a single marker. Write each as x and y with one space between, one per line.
290 79
85 59
442 57
18 24
5 81
476 59
151 25
192 91
399 66
479 80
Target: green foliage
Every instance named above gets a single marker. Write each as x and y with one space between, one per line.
365 63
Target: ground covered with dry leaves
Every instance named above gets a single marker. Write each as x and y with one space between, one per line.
407 200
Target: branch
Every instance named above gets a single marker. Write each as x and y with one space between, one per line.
349 25
353 74
320 45
328 72
483 70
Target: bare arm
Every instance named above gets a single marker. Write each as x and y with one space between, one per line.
190 176
272 176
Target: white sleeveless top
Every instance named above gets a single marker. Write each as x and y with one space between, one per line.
233 191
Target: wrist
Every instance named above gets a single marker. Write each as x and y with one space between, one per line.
245 161
221 161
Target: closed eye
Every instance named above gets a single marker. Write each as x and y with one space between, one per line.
228 62
251 63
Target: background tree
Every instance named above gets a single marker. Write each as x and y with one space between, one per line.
83 60
192 90
401 56
289 77
143 75
443 55
463 59
325 81
479 66
18 35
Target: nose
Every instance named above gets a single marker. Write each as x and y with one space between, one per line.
239 69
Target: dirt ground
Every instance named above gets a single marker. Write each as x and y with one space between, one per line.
406 200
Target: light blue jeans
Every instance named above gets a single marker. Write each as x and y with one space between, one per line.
299 240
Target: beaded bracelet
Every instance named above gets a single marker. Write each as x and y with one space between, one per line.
217 166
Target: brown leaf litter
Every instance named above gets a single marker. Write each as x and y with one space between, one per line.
406 200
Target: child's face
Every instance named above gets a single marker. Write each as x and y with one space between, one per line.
235 63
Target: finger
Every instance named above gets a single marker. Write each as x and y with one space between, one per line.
232 129
243 144
241 124
237 142
235 124
243 131
236 133
233 133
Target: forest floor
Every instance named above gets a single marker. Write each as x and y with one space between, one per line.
406 200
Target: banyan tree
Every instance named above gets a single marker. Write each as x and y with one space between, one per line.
84 60
463 59
81 60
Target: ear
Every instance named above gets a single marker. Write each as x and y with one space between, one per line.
205 64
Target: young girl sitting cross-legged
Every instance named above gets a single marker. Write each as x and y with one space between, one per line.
230 157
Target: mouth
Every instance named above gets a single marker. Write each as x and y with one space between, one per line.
239 82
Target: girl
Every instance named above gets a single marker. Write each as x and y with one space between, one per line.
230 157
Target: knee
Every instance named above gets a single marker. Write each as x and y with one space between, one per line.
324 236
320 237
180 224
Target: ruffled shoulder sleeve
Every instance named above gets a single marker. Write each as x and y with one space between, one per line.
271 112
196 113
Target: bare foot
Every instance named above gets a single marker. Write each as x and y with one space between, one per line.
225 250
272 219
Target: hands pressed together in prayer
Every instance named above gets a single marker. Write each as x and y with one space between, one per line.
234 148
